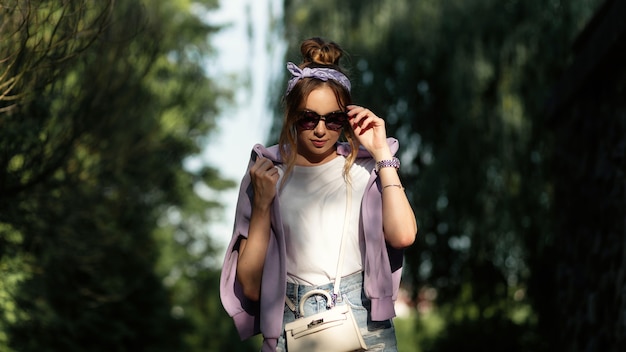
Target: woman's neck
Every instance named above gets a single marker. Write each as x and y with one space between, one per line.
313 160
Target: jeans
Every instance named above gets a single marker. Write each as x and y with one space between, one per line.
378 335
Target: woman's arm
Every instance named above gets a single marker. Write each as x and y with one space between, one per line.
399 222
252 251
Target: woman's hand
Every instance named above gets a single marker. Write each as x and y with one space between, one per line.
264 177
369 130
399 224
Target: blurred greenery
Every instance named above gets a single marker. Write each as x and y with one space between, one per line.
103 240
104 243
463 86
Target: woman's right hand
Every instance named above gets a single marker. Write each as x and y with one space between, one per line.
264 176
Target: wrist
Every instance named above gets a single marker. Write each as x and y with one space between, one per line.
261 206
384 163
381 154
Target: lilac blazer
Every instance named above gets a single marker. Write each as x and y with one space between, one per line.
382 264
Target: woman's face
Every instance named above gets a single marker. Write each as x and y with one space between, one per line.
317 145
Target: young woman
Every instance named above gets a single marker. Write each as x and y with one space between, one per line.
292 209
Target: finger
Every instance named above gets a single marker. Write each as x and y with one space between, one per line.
255 167
259 161
370 119
355 116
268 169
353 110
273 170
363 113
261 165
264 164
366 113
363 119
274 175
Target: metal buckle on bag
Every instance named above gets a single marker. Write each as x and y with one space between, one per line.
315 323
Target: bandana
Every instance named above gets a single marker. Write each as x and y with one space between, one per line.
321 73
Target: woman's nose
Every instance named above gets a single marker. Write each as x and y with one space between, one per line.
320 128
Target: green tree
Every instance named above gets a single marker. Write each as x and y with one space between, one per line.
462 84
100 102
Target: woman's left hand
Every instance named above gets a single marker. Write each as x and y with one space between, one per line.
399 223
368 128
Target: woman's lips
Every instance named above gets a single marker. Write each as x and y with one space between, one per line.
318 143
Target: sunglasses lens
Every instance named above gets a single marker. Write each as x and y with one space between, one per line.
309 120
336 120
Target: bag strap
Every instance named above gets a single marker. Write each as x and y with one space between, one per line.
342 247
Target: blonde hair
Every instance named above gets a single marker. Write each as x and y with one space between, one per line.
316 53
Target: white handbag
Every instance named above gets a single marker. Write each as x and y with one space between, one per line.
333 330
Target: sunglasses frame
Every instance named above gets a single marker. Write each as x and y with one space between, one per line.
310 119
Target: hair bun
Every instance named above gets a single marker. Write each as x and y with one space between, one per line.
316 50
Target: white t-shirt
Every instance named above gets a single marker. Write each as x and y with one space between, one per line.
313 206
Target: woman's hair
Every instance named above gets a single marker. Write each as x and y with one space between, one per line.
316 53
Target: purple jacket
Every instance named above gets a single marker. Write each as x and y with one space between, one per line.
382 264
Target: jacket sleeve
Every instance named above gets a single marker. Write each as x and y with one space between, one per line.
244 312
382 263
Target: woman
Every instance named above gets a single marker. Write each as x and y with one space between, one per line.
290 213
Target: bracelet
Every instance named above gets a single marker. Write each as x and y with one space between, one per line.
394 162
394 185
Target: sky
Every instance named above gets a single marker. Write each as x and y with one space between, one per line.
249 57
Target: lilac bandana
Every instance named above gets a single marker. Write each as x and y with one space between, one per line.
323 74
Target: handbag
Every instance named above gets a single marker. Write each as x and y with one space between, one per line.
333 330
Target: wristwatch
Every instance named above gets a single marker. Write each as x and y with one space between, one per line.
394 162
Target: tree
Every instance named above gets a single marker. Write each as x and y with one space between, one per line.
463 85
99 105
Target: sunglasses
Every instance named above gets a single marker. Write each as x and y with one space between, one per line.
334 121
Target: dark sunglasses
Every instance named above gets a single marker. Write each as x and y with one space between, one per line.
334 121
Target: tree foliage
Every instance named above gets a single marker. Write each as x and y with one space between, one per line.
100 102
103 243
463 84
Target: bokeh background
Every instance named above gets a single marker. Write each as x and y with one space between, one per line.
125 126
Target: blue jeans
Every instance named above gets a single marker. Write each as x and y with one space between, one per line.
378 335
